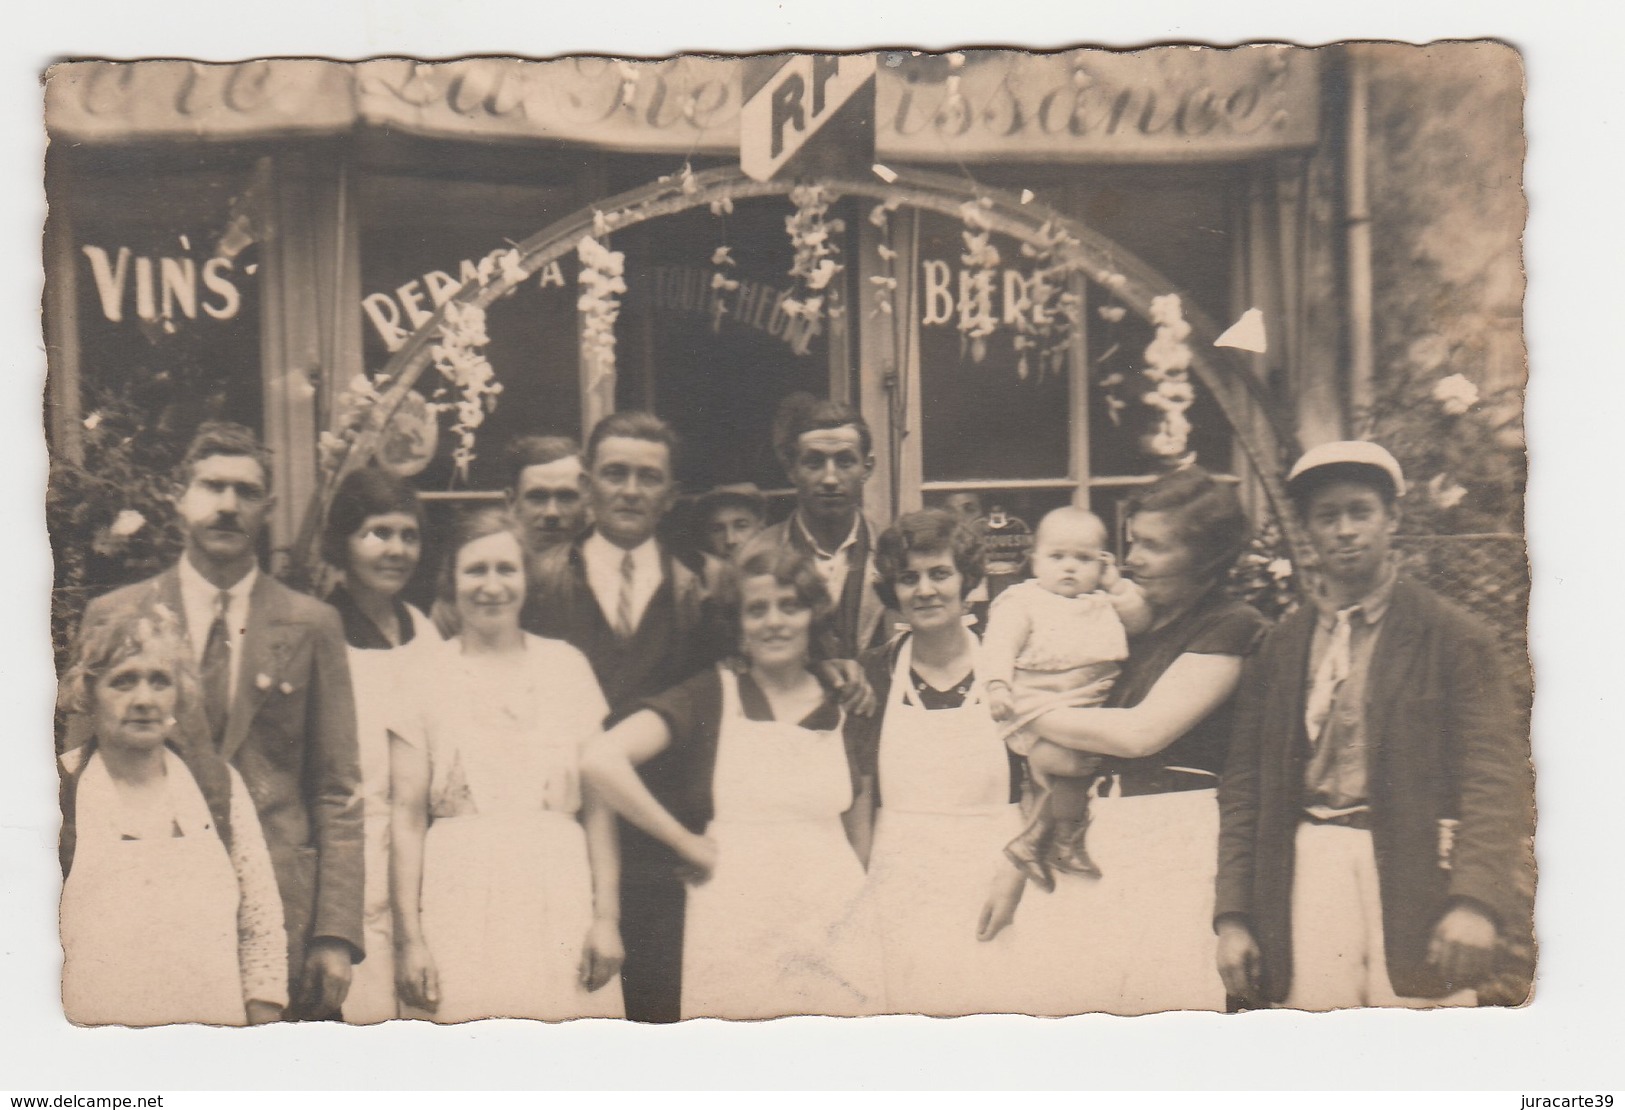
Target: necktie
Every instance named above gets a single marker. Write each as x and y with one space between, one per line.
623 610
217 670
1333 669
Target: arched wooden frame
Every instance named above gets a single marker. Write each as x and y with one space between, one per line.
1264 441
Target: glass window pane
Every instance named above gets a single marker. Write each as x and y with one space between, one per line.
981 418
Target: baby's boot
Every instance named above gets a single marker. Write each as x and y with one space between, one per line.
1068 853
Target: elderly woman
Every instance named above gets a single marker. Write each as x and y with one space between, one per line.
775 923
945 785
170 911
1140 939
374 538
505 871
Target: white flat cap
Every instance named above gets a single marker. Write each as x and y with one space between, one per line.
1349 452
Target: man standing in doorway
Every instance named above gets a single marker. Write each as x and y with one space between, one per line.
827 452
275 702
638 614
1376 803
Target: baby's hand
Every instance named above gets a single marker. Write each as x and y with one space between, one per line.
1110 576
1001 704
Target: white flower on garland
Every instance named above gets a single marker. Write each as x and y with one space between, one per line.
471 388
981 260
815 245
1169 359
602 281
1046 311
1455 394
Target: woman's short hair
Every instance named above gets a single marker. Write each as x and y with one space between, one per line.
927 532
788 567
364 493
1206 514
123 634
471 525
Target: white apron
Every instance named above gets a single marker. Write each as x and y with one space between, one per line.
781 927
945 817
149 927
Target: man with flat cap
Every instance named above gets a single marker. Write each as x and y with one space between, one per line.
1376 802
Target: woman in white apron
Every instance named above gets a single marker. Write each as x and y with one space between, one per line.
776 922
504 871
374 536
944 784
170 910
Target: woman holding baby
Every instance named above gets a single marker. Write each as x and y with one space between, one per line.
1141 935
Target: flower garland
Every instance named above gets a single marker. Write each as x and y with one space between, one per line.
1047 312
469 389
1169 357
817 257
461 362
885 291
981 259
602 281
721 285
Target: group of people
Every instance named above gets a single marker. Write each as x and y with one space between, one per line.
604 780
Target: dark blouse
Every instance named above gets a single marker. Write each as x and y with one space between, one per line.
359 630
1215 624
692 711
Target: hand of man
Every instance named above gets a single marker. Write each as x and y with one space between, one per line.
1240 961
1463 947
699 860
857 697
327 976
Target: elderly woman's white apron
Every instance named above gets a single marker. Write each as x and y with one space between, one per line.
149 927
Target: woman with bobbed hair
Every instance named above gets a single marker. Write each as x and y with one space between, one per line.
505 871
944 783
374 538
170 910
1142 935
775 923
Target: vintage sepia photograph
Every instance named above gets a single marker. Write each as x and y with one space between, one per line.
933 532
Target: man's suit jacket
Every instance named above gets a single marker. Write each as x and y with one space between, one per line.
291 734
1443 746
871 611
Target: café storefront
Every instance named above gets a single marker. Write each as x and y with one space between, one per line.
416 263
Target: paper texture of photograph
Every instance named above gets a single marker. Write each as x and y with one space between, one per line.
981 532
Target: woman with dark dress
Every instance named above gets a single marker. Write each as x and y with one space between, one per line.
1141 937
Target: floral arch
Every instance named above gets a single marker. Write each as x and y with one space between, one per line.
451 337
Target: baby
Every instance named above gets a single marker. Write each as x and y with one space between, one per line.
1056 641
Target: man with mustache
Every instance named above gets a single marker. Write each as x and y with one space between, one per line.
1375 807
638 614
275 702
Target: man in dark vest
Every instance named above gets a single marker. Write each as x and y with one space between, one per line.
1376 804
827 452
639 615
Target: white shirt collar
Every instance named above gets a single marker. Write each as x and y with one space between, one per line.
195 586
851 537
598 550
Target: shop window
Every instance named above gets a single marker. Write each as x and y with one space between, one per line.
166 292
418 238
